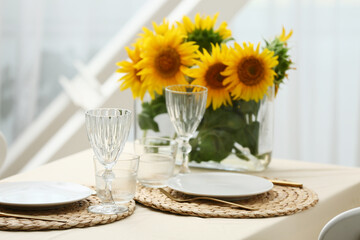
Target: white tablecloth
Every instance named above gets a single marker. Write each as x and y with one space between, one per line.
338 189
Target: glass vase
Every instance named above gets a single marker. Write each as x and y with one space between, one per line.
237 138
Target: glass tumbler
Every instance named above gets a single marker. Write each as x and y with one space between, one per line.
123 183
157 160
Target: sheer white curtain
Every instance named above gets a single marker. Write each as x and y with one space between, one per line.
317 109
40 41
21 28
29 58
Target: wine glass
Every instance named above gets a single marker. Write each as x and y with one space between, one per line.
186 106
107 130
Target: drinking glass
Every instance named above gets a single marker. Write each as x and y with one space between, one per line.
157 160
186 106
107 130
123 181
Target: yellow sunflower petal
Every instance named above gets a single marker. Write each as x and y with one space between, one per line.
130 77
162 28
189 26
283 37
198 21
224 31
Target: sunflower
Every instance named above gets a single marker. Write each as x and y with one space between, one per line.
249 72
208 74
131 79
202 31
165 59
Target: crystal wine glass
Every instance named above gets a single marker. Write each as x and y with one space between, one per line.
186 105
108 130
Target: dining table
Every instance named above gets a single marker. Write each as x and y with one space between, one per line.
337 188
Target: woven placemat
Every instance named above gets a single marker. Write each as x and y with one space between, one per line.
76 214
277 202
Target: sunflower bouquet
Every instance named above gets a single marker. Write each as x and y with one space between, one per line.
239 78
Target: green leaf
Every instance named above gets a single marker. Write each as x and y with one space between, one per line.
221 128
222 118
158 105
146 122
248 136
247 107
211 145
241 155
281 51
150 110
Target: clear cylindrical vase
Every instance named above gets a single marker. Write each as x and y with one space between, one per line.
234 138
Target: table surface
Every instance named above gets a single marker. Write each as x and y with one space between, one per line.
337 187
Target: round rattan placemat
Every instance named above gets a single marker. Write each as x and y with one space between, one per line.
76 215
277 202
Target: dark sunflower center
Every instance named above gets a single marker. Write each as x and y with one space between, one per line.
213 77
167 62
251 71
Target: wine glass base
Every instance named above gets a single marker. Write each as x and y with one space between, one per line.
107 209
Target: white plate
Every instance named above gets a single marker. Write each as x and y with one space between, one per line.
41 194
223 185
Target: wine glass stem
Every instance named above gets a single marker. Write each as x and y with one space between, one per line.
108 176
185 148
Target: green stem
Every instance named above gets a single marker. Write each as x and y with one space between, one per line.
145 133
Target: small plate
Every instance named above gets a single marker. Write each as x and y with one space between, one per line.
221 185
41 194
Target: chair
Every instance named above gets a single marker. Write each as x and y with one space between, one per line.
3 149
346 225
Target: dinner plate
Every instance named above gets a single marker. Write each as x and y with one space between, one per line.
218 184
41 194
